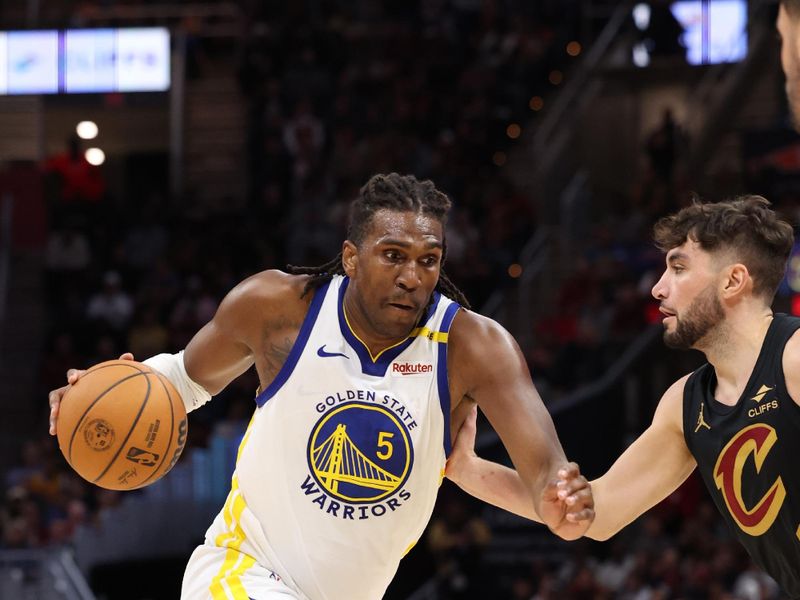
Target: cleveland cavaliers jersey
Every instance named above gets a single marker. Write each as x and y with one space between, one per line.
339 470
748 456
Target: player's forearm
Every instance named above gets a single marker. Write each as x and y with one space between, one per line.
617 504
497 485
609 518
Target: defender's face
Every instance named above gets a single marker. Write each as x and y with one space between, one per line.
394 270
789 29
688 294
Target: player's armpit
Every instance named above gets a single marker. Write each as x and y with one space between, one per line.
654 466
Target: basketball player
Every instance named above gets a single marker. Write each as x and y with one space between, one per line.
367 364
736 418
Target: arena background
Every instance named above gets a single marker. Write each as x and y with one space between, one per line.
561 130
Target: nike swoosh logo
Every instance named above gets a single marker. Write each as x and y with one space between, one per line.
321 352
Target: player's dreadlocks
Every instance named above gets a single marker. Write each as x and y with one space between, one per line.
394 192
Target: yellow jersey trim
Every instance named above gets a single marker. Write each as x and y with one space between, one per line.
434 336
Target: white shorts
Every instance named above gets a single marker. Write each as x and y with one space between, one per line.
216 573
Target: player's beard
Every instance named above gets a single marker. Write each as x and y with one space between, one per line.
704 313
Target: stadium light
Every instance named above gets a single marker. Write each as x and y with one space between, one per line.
95 156
87 130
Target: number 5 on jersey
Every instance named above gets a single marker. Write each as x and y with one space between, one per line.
386 446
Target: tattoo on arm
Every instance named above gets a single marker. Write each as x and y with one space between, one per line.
275 355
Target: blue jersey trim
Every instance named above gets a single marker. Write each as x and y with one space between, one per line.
297 348
441 374
378 367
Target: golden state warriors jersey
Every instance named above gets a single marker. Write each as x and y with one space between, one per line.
339 470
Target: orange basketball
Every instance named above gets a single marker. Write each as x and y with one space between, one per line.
122 426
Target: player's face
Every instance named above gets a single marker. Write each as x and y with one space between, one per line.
688 294
789 30
394 271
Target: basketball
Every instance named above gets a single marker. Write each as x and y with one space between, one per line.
122 425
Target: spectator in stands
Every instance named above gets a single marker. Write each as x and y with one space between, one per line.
79 185
112 307
147 335
61 353
664 146
146 238
20 521
194 308
68 251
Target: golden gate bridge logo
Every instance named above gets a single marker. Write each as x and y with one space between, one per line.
360 452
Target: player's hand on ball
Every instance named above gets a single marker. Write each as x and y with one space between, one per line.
55 396
567 503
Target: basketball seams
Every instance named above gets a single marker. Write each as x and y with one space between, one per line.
118 363
80 420
166 452
124 442
102 397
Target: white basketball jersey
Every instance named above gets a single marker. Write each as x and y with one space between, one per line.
338 473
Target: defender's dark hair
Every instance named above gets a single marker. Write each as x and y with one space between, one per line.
745 226
401 193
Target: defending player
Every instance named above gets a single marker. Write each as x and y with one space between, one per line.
737 418
366 365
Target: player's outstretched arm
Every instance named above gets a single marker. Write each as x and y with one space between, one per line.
487 367
647 472
226 346
498 485
654 466
221 335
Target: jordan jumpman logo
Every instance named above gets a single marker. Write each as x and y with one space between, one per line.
701 422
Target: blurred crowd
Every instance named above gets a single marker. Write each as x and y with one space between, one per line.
681 549
430 89
352 89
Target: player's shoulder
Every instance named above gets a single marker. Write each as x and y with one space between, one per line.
676 389
670 407
470 330
473 338
271 291
791 351
272 284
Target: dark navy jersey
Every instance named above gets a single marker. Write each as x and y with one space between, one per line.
749 456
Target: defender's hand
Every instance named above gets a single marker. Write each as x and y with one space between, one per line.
567 504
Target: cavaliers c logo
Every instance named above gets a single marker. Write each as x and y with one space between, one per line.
757 440
360 452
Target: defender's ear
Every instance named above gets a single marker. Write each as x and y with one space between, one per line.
737 281
349 258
